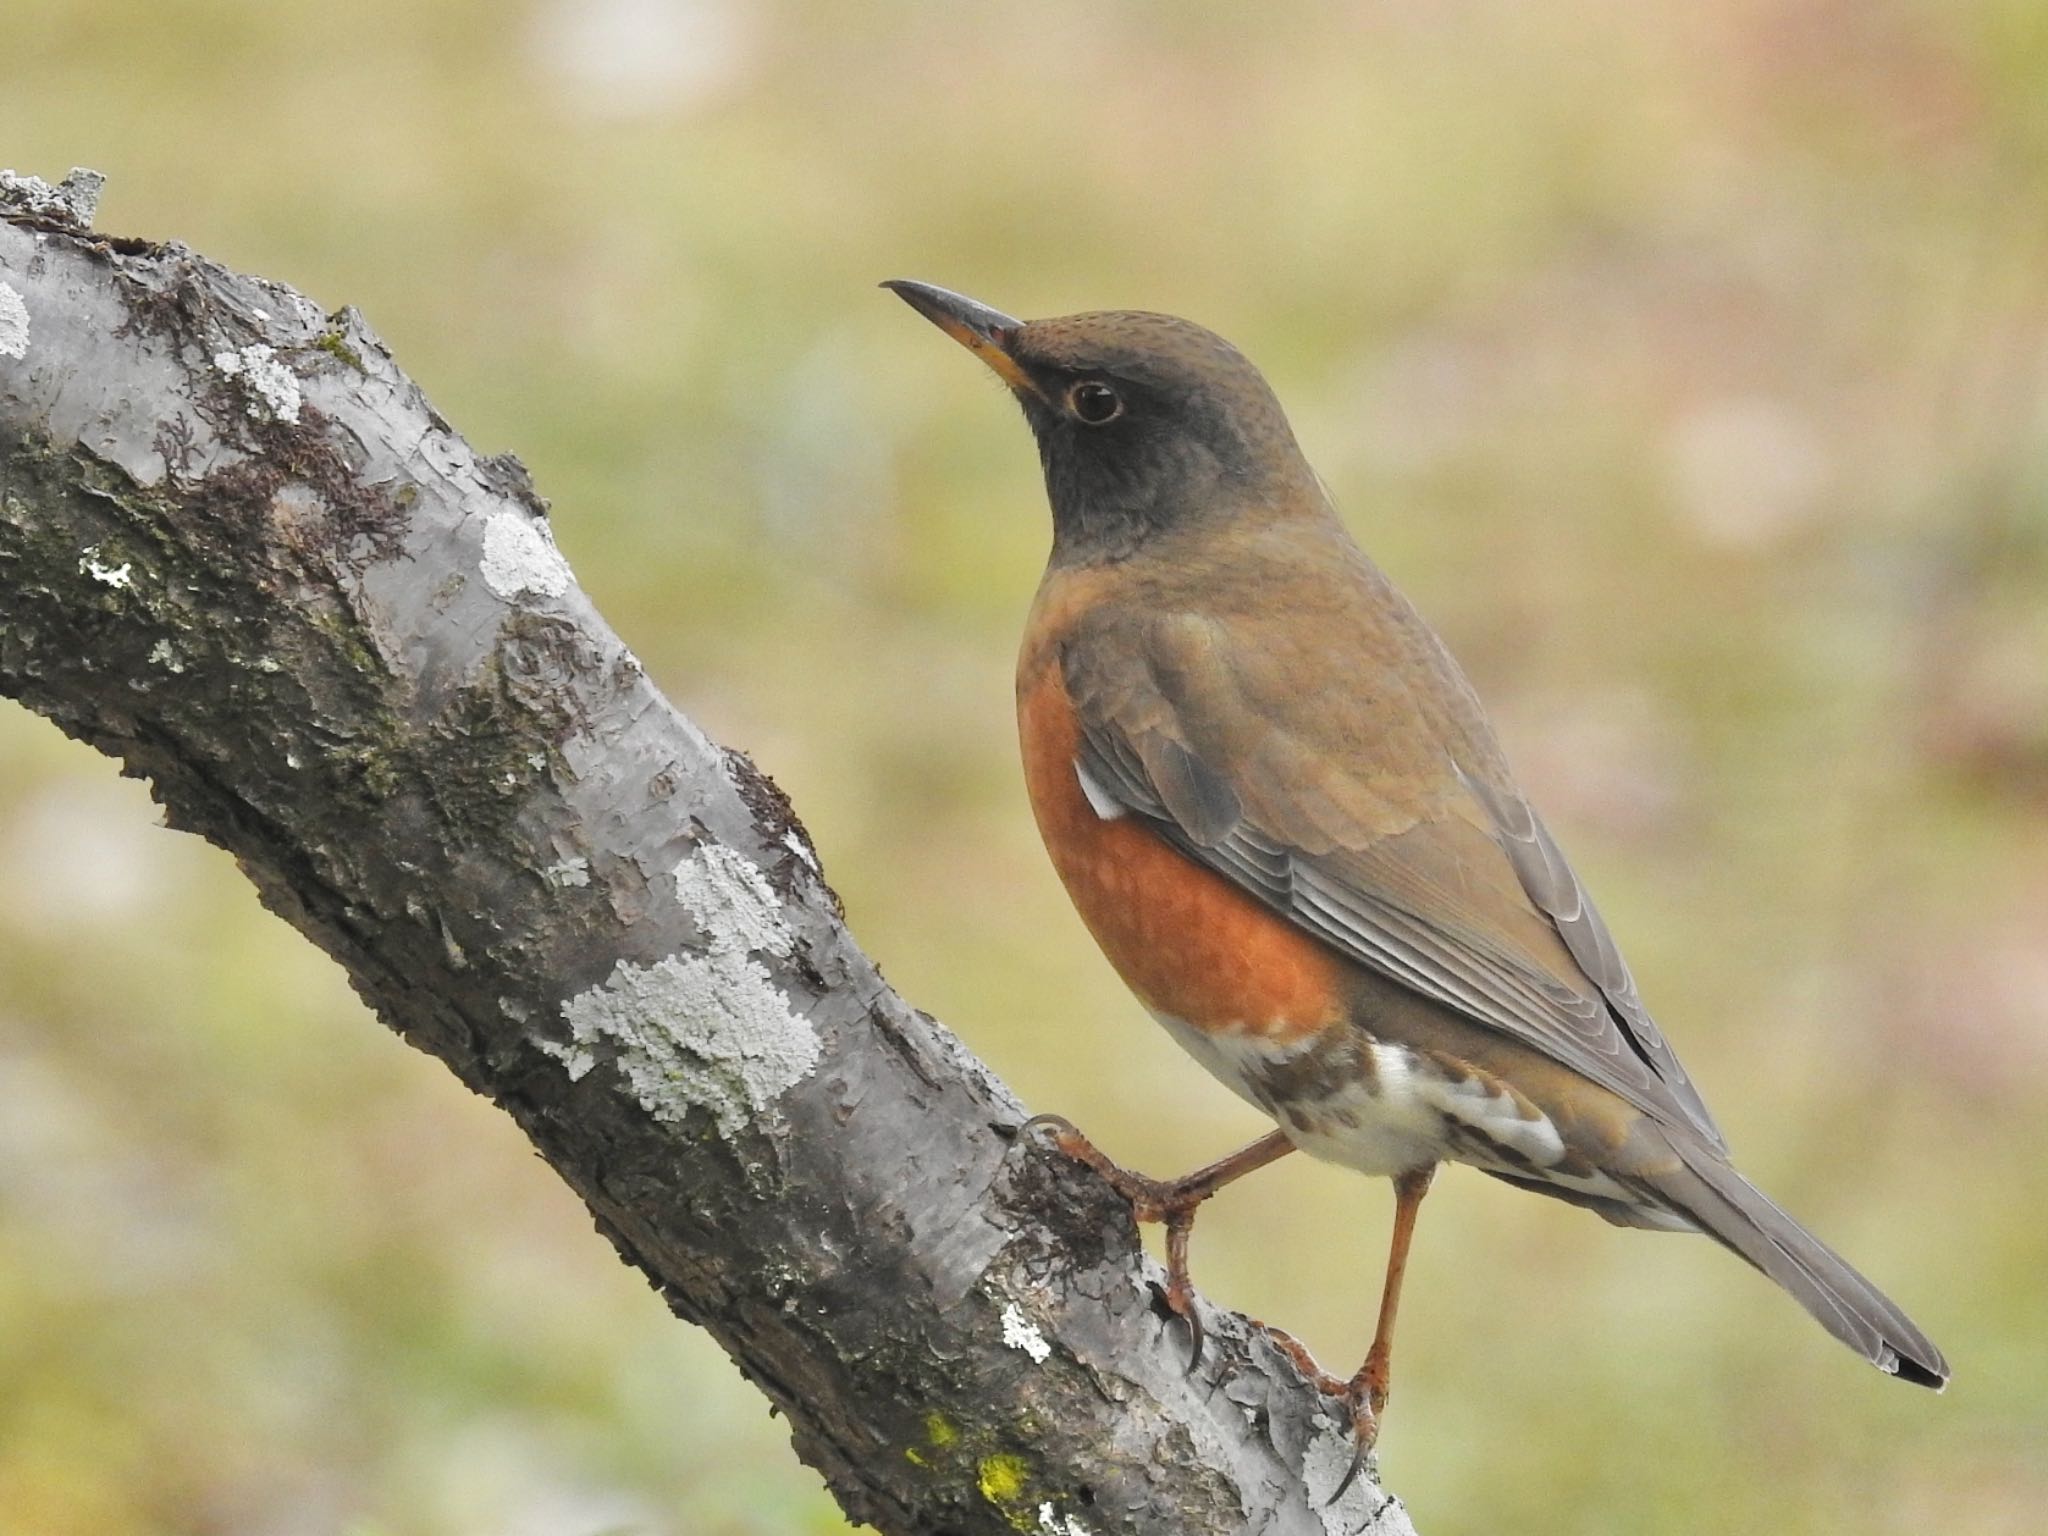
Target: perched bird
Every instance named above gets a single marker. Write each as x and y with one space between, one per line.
1279 807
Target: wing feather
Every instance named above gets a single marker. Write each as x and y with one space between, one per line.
1467 900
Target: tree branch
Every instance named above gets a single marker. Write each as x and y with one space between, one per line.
241 553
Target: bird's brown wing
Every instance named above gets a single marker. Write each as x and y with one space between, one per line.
1353 814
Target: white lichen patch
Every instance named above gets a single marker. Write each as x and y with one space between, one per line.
117 576
520 558
1053 1523
13 323
576 1059
712 1033
565 873
1366 1506
272 388
802 850
731 900
165 655
1019 1332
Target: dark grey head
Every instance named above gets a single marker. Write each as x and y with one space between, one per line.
1145 423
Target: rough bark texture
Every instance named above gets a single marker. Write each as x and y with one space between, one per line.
242 554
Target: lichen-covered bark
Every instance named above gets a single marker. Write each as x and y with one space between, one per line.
240 553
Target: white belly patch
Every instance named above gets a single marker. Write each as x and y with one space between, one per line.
1391 1113
1383 1110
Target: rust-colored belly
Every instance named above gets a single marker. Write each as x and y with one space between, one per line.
1191 944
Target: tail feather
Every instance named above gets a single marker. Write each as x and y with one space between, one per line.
1733 1211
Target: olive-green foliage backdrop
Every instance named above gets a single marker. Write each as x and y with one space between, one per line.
1686 363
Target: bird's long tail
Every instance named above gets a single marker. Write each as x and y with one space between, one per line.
1733 1211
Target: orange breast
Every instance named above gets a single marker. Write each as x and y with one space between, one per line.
1187 941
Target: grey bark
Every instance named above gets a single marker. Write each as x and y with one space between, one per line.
242 554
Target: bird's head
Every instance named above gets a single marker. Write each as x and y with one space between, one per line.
1145 424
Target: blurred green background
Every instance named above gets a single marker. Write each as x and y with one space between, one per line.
1686 364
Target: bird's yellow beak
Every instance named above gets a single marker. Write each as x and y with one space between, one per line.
985 332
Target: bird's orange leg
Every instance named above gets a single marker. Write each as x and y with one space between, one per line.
1172 1201
1367 1391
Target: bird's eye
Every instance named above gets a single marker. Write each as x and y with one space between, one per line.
1094 402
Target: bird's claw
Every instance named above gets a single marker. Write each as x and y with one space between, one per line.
1180 1289
1150 1200
1361 1396
1365 1399
1176 1298
1059 1125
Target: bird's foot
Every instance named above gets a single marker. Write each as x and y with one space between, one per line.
1171 1202
1366 1396
1158 1200
1363 1396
